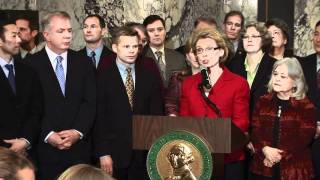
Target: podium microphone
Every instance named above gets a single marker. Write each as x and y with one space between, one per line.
205 78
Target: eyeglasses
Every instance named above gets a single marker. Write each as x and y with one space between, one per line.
208 49
246 37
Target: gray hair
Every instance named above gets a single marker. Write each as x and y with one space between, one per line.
45 22
295 72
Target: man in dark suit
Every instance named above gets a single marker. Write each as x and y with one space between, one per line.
311 68
94 29
20 104
168 60
69 92
124 88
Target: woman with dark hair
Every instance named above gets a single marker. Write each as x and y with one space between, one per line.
173 92
224 94
283 126
279 32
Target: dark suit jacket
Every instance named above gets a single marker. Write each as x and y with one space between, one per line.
105 52
174 61
113 130
75 111
309 66
20 113
259 85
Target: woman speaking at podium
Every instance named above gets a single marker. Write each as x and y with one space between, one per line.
216 92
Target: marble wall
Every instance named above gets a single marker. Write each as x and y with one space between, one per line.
179 15
307 13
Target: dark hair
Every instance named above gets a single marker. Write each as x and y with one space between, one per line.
281 24
123 31
11 162
3 22
137 25
317 24
234 13
101 20
208 20
151 19
33 24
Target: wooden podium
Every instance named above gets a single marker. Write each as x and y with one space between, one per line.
221 135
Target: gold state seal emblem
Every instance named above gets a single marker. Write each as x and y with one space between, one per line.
179 155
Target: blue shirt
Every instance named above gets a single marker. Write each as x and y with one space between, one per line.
123 73
98 52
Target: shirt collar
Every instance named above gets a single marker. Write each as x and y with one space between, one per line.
52 55
4 62
98 50
122 67
154 50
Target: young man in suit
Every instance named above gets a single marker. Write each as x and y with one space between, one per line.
168 60
232 25
124 88
20 104
94 29
69 90
311 68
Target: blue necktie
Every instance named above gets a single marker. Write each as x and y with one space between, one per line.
60 74
11 79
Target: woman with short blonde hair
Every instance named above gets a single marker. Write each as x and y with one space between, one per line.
217 93
84 172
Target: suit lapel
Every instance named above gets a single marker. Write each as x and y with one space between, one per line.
118 84
70 73
51 73
262 72
5 82
223 79
20 79
149 53
138 90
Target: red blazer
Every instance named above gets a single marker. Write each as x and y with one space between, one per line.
230 94
297 129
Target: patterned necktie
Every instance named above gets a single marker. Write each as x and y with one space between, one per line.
60 74
161 64
129 86
11 78
93 58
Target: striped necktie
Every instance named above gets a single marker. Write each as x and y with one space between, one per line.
60 74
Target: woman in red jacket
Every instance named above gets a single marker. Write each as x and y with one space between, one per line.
229 93
283 126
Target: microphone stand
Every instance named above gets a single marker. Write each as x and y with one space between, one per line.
211 104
